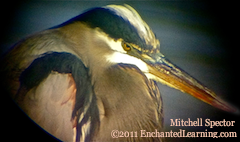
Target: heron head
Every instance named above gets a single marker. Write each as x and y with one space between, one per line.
131 41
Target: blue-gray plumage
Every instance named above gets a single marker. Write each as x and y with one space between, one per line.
96 73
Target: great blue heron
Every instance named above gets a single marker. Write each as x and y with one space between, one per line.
96 73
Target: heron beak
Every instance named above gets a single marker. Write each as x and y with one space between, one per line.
162 70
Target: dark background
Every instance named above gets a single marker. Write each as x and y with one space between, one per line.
200 37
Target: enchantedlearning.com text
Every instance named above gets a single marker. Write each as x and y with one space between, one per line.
180 133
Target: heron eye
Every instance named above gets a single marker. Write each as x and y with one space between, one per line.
126 46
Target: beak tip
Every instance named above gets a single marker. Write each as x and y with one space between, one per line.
219 103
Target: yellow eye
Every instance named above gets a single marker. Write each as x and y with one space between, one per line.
126 46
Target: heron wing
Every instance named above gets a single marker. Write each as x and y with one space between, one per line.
56 92
50 104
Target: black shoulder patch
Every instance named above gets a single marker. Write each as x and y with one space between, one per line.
41 67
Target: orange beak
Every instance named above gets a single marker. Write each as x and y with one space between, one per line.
167 73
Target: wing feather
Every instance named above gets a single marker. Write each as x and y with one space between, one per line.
51 103
56 92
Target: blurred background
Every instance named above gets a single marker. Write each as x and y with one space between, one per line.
198 36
